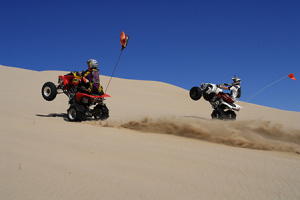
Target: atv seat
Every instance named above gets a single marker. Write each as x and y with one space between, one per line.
93 94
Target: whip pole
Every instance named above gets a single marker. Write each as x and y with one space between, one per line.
266 87
114 70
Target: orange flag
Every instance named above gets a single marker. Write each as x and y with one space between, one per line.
292 76
123 39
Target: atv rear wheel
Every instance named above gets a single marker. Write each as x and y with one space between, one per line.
49 91
230 115
195 93
72 114
218 114
75 115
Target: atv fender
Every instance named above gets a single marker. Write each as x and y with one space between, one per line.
79 108
79 95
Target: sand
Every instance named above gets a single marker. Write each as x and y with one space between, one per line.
157 144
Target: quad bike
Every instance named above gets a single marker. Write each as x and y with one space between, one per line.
82 105
224 107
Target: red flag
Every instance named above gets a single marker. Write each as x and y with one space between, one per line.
123 39
292 76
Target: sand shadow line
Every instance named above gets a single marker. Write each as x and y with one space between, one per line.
196 117
62 115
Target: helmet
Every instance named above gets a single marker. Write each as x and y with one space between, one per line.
92 63
236 80
203 86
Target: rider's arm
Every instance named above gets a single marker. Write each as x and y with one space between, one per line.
86 73
225 88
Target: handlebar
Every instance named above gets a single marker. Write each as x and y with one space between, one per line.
226 84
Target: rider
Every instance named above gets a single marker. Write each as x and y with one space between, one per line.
92 74
235 89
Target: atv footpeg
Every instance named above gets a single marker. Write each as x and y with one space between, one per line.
214 104
88 114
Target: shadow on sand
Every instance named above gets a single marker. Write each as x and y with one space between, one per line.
196 117
62 115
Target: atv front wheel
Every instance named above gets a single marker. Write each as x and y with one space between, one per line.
101 112
230 115
49 91
218 114
195 93
105 113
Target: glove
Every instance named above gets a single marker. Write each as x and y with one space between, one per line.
226 84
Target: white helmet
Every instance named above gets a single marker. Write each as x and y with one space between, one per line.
236 80
92 63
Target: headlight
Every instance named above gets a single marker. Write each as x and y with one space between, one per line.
101 101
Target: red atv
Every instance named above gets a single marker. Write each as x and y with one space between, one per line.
82 105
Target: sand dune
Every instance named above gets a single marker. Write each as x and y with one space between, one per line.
157 144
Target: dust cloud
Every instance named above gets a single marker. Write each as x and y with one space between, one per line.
252 134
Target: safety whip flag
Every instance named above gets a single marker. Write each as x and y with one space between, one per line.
124 40
290 75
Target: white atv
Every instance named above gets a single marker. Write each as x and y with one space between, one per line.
224 107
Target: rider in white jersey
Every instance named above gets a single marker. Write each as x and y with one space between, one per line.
235 89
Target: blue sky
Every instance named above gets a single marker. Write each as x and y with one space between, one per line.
183 43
